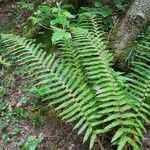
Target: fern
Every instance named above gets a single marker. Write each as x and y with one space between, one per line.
140 78
65 90
67 81
115 103
92 23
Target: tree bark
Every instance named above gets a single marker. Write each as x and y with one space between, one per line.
125 32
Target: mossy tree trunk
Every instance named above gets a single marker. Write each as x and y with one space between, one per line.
137 17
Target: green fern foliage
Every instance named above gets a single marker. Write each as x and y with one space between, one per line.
80 82
115 104
65 89
139 81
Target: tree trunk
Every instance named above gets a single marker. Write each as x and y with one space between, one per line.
136 18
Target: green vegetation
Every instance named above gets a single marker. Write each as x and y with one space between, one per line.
30 144
77 77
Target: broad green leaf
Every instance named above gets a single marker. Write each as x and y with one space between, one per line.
105 11
60 35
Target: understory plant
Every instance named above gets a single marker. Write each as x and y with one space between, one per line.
79 81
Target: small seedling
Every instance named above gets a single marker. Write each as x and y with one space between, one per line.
2 92
21 113
3 125
3 106
22 100
31 143
15 131
36 119
5 137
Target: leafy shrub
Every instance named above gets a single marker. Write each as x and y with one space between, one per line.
56 17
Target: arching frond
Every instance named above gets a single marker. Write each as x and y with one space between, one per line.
139 81
60 83
114 101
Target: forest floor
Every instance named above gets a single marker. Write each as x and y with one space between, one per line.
19 120
17 126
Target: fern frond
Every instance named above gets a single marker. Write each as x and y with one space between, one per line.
90 49
115 104
140 78
96 63
61 85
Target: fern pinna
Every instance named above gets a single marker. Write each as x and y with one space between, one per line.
119 105
4 62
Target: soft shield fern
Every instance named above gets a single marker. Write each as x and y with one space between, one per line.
69 77
65 89
115 104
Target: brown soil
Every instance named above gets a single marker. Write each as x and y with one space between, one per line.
55 133
11 17
5 12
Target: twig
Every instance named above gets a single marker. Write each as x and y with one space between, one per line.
6 11
44 26
100 145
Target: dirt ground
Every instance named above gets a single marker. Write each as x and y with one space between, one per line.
56 134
